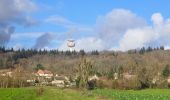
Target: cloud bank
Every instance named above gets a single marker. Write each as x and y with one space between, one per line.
154 35
113 25
12 13
124 30
120 28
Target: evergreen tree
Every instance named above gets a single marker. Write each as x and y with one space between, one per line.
82 52
149 49
39 66
142 50
166 71
161 47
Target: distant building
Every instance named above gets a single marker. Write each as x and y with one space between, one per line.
44 73
95 77
71 44
6 72
168 80
116 76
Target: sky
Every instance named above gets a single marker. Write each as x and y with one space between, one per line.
93 24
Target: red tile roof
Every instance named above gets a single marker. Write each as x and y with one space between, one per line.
44 72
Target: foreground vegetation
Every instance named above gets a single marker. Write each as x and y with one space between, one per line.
50 93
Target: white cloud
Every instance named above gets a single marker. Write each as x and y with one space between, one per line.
60 21
113 25
167 47
90 44
157 20
137 38
157 34
17 46
109 30
31 35
73 30
25 5
14 12
119 29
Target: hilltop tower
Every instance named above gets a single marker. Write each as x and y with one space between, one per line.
71 44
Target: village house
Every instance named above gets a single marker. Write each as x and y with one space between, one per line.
95 77
43 77
44 73
6 73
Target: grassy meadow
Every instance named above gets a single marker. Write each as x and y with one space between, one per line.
17 94
49 93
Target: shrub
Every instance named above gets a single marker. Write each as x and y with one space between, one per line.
39 91
39 66
115 84
91 84
104 83
132 84
162 84
100 84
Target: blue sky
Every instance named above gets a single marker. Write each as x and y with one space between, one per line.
94 24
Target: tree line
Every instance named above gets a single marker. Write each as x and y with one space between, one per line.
145 50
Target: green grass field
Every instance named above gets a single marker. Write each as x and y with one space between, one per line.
17 94
148 94
51 93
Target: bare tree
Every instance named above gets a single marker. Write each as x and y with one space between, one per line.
84 69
